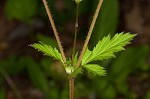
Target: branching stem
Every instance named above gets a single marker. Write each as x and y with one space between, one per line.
89 33
55 30
71 80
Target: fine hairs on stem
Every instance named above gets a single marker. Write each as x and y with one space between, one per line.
71 80
55 30
71 88
104 49
89 32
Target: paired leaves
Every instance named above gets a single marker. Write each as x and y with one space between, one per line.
107 47
104 49
48 50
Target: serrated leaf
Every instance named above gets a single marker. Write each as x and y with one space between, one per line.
107 47
95 69
48 50
77 71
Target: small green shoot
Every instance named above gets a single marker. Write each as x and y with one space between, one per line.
104 49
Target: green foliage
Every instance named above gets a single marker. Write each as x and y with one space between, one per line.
119 71
46 63
75 60
109 92
78 1
9 65
95 69
22 10
126 61
47 40
125 64
106 47
37 77
64 94
147 95
48 50
2 94
54 92
107 21
82 90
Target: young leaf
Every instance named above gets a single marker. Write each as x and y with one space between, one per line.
95 69
75 59
47 50
106 47
77 71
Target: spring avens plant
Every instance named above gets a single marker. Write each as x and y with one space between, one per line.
104 49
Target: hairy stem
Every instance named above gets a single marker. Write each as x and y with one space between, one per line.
75 33
71 88
55 30
89 32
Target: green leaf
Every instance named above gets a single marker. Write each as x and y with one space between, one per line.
47 40
132 59
76 72
47 50
37 76
23 10
106 47
147 95
95 69
108 93
107 21
75 59
10 63
2 94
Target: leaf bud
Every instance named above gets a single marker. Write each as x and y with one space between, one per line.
78 1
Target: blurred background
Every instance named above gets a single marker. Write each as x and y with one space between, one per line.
27 74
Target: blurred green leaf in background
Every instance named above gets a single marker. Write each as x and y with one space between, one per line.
23 10
47 76
107 21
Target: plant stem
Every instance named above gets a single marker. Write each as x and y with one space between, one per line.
75 33
89 32
55 30
71 80
71 88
